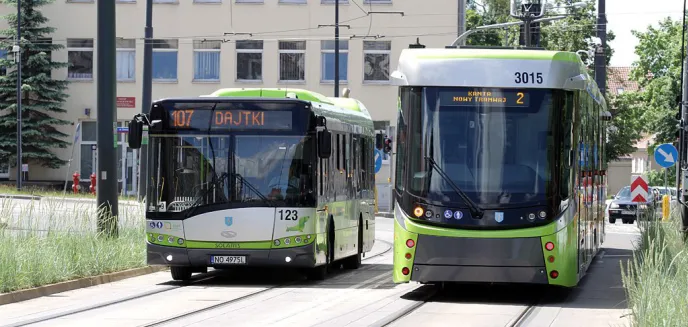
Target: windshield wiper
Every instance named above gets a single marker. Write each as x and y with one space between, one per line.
475 210
212 186
253 188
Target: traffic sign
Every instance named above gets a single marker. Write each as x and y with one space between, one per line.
639 189
666 155
378 160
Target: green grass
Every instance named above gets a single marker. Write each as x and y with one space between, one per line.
66 245
656 279
41 191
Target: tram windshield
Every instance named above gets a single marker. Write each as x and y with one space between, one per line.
498 146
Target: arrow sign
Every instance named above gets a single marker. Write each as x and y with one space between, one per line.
666 155
639 189
378 160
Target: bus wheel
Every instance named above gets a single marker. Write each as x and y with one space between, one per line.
181 273
354 262
320 272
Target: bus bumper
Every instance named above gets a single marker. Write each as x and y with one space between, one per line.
299 257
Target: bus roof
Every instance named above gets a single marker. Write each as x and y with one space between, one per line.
494 68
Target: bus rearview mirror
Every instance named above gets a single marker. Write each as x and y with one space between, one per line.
324 144
135 132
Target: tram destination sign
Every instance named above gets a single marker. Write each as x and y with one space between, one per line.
498 98
230 119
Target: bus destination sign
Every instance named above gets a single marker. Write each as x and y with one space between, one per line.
501 98
229 119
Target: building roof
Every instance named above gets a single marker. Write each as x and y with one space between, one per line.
618 80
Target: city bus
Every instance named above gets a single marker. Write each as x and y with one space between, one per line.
257 177
500 174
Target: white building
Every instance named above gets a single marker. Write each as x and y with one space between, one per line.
204 45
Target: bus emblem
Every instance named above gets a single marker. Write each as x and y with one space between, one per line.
499 216
229 221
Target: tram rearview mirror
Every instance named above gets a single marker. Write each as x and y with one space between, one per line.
324 144
135 132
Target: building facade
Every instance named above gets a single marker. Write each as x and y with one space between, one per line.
200 46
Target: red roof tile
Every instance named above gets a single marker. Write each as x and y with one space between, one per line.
618 80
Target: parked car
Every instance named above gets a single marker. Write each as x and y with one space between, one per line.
622 207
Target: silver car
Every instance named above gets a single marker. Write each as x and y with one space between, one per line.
622 207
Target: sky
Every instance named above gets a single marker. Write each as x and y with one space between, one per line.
623 16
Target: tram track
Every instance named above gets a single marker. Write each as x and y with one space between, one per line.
198 280
252 295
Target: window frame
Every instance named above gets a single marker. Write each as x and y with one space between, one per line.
372 52
291 51
325 51
238 51
175 50
219 60
123 49
82 49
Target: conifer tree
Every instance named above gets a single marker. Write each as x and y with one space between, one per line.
42 96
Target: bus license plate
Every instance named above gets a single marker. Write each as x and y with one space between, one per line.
228 259
627 212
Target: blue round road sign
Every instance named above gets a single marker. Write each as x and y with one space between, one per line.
666 155
378 160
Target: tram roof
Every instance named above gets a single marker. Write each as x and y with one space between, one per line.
495 68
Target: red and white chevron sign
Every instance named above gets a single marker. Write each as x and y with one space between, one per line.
639 189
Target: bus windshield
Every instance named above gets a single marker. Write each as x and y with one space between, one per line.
498 146
228 170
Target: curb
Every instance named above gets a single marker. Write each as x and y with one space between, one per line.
20 197
32 293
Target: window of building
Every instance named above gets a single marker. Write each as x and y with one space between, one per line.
249 1
376 1
165 59
376 57
207 1
327 60
3 55
165 1
126 59
292 56
328 2
207 60
620 90
80 58
293 1
249 61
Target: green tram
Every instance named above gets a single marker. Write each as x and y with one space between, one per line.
500 175
258 177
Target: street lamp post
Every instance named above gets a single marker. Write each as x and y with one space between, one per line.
17 50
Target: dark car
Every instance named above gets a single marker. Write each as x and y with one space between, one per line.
622 207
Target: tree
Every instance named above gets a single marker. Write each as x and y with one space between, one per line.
42 96
627 125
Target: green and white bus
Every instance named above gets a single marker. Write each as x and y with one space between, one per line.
258 177
500 172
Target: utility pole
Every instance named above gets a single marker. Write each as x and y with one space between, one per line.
336 48
146 95
19 99
106 89
600 57
682 155
462 17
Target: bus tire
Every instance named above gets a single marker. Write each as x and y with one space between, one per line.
320 272
354 262
181 273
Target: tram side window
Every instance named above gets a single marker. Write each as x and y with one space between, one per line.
566 128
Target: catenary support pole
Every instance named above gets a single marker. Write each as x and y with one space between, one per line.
106 89
336 48
681 163
461 23
600 52
146 95
19 99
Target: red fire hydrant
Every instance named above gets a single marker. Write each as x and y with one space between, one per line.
75 182
93 183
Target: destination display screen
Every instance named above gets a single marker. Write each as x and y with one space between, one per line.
230 119
484 98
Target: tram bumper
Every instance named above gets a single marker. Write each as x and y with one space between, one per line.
298 257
